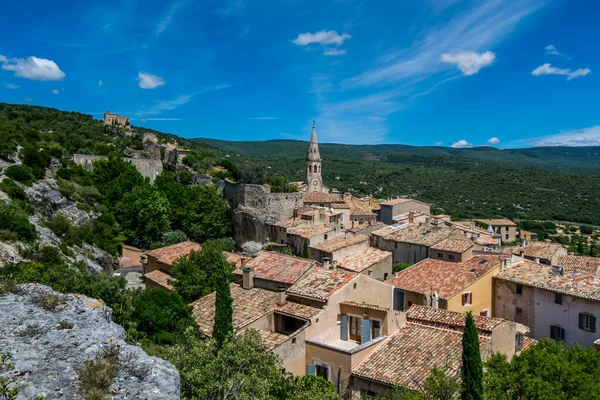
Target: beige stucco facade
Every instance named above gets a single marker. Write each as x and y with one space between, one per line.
481 291
320 255
389 211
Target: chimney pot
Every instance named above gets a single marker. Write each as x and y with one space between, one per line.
248 277
281 296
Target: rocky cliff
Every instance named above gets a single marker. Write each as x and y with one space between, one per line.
50 337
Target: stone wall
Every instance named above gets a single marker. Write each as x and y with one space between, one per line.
254 210
147 167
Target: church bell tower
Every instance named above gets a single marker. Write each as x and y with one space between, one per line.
314 182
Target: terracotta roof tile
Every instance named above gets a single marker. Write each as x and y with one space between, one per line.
248 306
425 315
423 234
277 267
529 343
160 278
320 197
298 310
321 283
580 263
497 222
362 260
581 284
453 245
168 255
366 228
233 258
408 356
447 278
364 305
545 250
393 202
309 231
272 339
291 222
340 242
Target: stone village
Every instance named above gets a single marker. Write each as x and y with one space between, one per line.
320 284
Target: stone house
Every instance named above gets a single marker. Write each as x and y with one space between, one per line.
546 253
116 120
430 338
561 302
373 262
454 278
395 207
410 243
527 235
312 235
130 257
334 249
505 227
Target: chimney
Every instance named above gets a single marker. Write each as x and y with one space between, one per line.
523 243
472 226
333 264
243 261
537 260
557 270
326 262
506 262
521 253
281 296
435 300
411 217
248 277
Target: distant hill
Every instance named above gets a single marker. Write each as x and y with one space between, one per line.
565 159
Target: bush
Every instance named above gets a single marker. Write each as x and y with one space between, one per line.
97 375
19 173
173 237
586 229
13 190
14 220
159 314
66 188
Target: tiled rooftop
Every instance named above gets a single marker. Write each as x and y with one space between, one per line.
233 258
447 278
340 242
486 240
248 306
580 263
321 283
277 267
325 211
309 231
426 315
272 339
408 356
497 222
290 222
578 284
366 228
423 234
160 278
319 197
545 250
362 260
168 255
298 310
395 201
453 245
528 343
363 305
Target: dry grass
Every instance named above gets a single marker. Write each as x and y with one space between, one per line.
97 375
49 301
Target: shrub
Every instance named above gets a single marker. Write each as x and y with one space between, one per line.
97 375
13 190
6 393
49 301
64 324
19 173
66 188
586 229
173 237
89 193
60 225
14 221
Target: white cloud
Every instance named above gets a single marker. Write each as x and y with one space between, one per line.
34 68
469 62
149 81
11 86
548 69
578 137
28 99
551 50
167 105
439 143
334 52
322 37
494 140
160 119
55 91
264 118
461 144
165 22
100 83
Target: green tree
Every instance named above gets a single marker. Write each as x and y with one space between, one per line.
143 213
593 250
580 247
309 387
198 273
115 177
223 327
472 368
305 252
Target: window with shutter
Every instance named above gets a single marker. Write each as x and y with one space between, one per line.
344 328
587 322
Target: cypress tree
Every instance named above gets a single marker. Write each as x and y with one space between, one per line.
472 368
305 253
223 328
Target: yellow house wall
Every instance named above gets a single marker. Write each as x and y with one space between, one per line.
482 295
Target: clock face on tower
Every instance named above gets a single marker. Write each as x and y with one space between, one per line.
315 182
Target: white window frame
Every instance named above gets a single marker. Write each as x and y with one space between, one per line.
486 311
587 322
470 303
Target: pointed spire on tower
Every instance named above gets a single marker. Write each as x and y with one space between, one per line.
313 147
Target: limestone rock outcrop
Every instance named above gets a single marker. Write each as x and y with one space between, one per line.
48 348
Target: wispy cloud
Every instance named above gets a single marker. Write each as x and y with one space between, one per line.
100 83
548 69
553 51
578 137
322 37
167 105
166 21
34 68
439 143
28 99
461 144
11 86
55 91
264 118
334 52
149 81
469 62
493 140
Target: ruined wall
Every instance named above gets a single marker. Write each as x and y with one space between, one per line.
147 167
254 210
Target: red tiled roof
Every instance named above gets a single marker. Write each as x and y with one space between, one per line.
585 285
447 278
340 242
233 258
407 357
364 305
160 278
580 263
544 250
168 255
425 315
309 231
497 222
272 339
248 306
529 343
320 197
453 245
277 267
321 283
362 260
298 310
422 234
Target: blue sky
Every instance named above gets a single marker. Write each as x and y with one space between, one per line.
511 73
